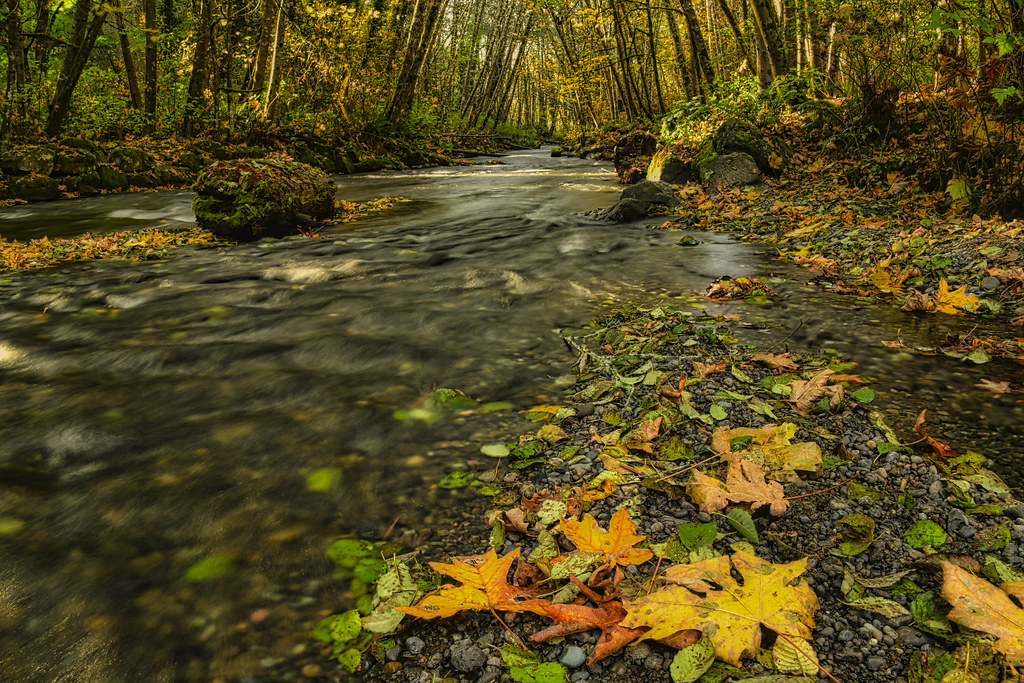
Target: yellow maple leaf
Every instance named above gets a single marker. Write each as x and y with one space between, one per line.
731 613
745 483
617 543
770 446
953 302
485 586
979 605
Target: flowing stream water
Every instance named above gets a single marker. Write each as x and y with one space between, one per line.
164 413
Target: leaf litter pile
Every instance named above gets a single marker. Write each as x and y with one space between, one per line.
696 510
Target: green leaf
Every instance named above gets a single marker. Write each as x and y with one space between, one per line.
864 395
718 412
743 523
694 535
210 567
925 534
455 480
526 667
860 533
887 608
992 538
495 450
323 480
978 356
692 662
347 552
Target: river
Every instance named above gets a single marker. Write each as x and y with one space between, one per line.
163 413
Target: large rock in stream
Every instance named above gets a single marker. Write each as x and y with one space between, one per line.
248 199
637 201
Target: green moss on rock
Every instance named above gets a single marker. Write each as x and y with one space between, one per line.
248 199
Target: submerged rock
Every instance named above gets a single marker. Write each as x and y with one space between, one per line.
636 201
248 199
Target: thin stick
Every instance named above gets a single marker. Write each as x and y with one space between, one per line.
687 469
807 495
511 632
392 527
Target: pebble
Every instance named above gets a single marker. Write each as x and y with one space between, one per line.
415 645
573 657
467 656
875 662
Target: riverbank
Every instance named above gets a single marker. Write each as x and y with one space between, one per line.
863 516
75 167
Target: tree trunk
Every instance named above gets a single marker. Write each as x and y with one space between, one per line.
274 86
267 35
152 32
701 58
83 36
682 63
767 27
730 19
126 55
197 83
424 20
13 115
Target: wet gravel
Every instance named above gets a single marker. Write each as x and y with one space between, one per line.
854 644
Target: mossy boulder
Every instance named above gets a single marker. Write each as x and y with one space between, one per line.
771 154
35 188
668 168
248 199
132 160
37 159
633 155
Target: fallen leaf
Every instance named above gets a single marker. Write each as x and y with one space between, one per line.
994 387
733 614
944 450
485 586
777 361
605 615
746 484
705 369
616 543
770 446
707 493
979 605
807 392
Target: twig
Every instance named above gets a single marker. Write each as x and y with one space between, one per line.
511 632
392 527
687 469
788 337
832 488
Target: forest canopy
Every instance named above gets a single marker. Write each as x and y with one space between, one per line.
342 68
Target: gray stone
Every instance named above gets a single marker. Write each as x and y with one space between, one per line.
75 164
651 192
415 645
670 169
573 657
913 638
730 170
467 656
874 662
556 152
624 211
37 160
989 283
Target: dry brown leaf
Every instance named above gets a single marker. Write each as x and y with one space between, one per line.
778 361
746 484
706 492
979 605
705 369
807 392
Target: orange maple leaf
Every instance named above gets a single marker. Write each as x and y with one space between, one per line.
484 586
617 543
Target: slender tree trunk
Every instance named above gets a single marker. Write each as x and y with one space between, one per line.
83 36
682 63
152 34
767 26
701 58
126 55
424 21
13 115
730 19
274 86
654 56
268 33
199 80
